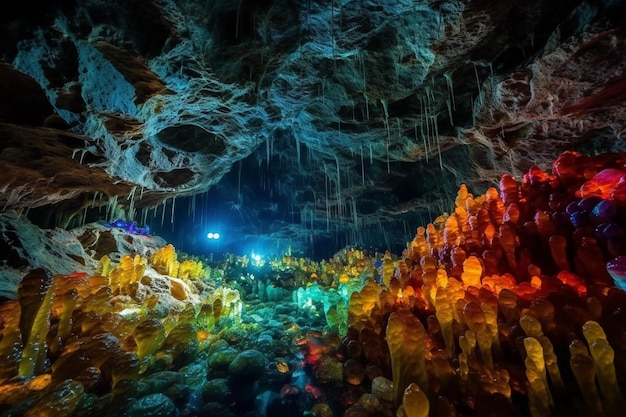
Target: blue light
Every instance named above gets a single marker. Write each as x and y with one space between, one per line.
257 259
213 235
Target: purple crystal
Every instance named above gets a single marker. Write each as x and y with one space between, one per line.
580 218
603 212
588 203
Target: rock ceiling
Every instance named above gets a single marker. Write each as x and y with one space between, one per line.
360 117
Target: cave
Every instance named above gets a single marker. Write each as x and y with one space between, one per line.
313 207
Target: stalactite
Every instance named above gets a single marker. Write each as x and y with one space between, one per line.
427 119
298 148
131 198
354 213
477 81
436 129
362 167
144 215
423 121
172 216
238 184
237 19
385 105
339 198
267 152
111 208
448 78
163 212
193 208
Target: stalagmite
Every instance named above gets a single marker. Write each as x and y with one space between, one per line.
491 319
539 397
69 300
36 296
406 341
472 272
475 320
507 300
532 328
443 311
414 402
582 366
603 357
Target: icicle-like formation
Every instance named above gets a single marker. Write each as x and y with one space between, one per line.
448 105
238 184
339 201
172 218
144 216
477 84
436 129
95 196
355 215
473 112
423 121
386 121
131 198
298 147
163 213
362 167
237 20
427 115
448 78
111 208
326 186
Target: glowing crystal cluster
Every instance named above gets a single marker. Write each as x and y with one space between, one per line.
510 305
512 296
72 335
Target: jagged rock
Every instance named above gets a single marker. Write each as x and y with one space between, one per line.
336 118
25 246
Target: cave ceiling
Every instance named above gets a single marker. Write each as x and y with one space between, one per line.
301 119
